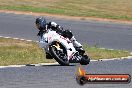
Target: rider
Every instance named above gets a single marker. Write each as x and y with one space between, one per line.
43 26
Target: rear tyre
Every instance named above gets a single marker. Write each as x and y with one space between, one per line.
85 60
59 56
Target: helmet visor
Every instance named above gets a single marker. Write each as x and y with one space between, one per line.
37 25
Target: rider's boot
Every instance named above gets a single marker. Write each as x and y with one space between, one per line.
48 56
77 45
80 50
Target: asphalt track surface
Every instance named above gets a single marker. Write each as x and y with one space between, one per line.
103 34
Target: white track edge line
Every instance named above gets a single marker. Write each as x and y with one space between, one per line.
17 38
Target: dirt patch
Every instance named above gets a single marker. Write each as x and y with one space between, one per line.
65 17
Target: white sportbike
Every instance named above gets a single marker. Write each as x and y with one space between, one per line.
62 49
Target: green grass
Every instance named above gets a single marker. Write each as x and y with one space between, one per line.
98 53
23 52
112 9
20 52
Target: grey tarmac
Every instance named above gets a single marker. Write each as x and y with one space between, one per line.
56 76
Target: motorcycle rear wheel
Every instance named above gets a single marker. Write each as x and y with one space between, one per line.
85 60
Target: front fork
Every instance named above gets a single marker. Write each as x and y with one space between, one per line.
70 52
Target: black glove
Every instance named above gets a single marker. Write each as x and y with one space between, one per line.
67 33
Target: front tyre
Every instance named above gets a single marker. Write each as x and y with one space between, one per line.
59 56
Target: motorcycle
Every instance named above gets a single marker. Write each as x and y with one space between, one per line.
62 49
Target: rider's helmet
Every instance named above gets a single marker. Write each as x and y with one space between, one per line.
40 23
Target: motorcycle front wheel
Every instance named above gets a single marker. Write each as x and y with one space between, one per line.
59 55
